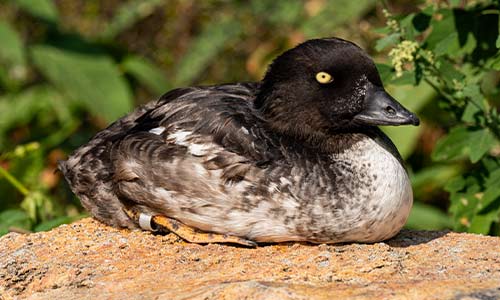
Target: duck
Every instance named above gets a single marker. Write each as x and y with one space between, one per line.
296 157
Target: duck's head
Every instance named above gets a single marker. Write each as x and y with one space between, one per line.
326 85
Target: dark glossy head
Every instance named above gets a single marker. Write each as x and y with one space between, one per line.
324 85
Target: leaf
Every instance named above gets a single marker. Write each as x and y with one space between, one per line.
408 78
455 185
461 141
146 73
441 28
494 63
42 9
491 192
497 43
92 79
387 41
453 33
13 218
490 195
205 48
481 224
421 21
406 24
427 217
449 72
475 104
12 52
446 45
385 72
480 142
129 13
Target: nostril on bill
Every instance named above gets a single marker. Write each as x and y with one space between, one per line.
390 110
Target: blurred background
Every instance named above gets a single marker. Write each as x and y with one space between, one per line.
69 68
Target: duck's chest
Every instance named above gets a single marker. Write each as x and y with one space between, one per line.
361 192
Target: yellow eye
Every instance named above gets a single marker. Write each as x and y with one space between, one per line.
324 78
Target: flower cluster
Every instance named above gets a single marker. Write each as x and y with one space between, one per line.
401 54
391 23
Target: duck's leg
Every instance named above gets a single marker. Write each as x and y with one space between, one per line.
165 224
195 236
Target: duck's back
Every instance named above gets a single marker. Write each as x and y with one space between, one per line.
182 145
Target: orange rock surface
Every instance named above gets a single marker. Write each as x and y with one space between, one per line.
89 260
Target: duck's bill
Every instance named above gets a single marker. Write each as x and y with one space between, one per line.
382 109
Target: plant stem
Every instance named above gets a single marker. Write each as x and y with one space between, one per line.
12 180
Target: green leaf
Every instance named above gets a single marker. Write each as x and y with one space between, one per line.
13 218
462 141
449 72
146 73
481 224
129 13
385 72
475 104
387 41
12 52
446 45
491 192
90 78
498 42
441 28
453 33
427 217
43 9
421 21
205 48
480 142
490 195
494 63
407 27
455 185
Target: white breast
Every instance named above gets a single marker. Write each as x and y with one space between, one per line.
390 195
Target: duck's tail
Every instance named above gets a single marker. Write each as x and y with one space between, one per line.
89 172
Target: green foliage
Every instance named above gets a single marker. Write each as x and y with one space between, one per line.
48 84
90 78
455 50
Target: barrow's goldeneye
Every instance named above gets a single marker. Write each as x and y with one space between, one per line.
295 157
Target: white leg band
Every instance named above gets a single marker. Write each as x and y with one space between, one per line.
145 222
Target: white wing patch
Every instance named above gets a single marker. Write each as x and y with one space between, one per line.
244 130
199 149
179 137
157 130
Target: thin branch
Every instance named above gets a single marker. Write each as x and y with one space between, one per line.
12 180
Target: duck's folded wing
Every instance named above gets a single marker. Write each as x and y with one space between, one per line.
204 144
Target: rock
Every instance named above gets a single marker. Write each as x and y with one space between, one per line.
88 260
